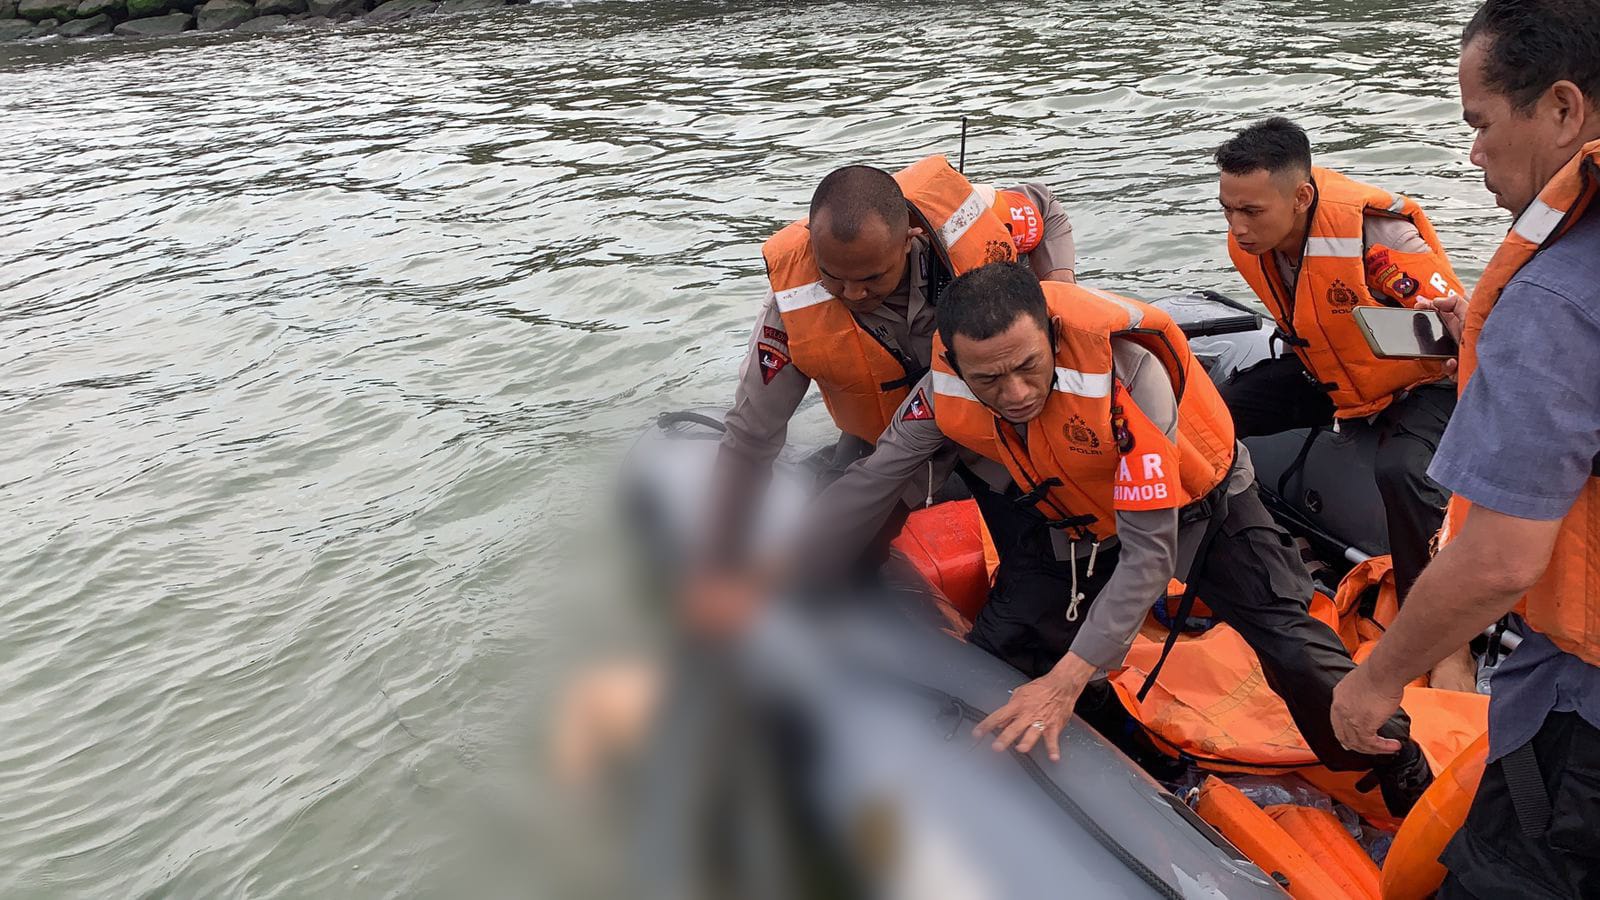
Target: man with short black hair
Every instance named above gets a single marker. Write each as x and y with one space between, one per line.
851 307
1522 456
1315 245
1084 459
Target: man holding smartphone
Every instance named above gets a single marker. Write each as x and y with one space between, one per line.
1523 458
1315 246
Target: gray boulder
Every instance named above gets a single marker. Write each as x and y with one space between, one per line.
263 23
91 8
90 27
332 8
395 10
39 10
15 29
280 7
221 15
8 9
43 28
455 6
155 26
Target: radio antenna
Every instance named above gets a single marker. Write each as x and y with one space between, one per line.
961 161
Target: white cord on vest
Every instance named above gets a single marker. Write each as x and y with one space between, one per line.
929 502
1072 606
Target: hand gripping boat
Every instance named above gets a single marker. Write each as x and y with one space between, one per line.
829 754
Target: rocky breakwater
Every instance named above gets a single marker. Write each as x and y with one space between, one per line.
33 19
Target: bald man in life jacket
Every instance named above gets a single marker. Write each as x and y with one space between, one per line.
1314 245
851 307
1104 464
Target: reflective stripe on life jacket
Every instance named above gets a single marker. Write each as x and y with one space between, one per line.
1317 312
862 381
1565 604
1077 453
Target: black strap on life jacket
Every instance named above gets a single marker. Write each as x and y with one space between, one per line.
914 374
1213 507
1278 334
1525 784
941 271
1299 460
1029 503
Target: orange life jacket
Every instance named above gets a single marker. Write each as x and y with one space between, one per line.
1083 455
1315 315
1565 604
862 381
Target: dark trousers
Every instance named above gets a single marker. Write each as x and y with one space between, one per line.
1490 857
1252 578
1277 395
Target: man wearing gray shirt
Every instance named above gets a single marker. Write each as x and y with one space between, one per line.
1067 603
896 308
1521 455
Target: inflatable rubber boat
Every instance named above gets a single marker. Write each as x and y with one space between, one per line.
829 753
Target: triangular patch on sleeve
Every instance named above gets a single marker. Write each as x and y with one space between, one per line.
772 361
917 408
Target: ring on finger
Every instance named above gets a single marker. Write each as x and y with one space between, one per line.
1039 725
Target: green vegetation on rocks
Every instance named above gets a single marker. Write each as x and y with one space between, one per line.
140 9
280 7
39 10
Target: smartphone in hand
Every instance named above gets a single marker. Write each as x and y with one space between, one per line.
1395 333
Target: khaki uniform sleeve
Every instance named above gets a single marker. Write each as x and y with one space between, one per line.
1148 538
1396 234
1057 249
842 520
769 391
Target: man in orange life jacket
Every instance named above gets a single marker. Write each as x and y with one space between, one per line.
1522 456
1314 245
1096 475
851 307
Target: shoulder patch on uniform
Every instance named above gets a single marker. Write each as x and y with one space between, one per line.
772 361
1387 275
775 334
917 409
1120 431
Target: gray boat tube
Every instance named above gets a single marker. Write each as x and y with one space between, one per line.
857 708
